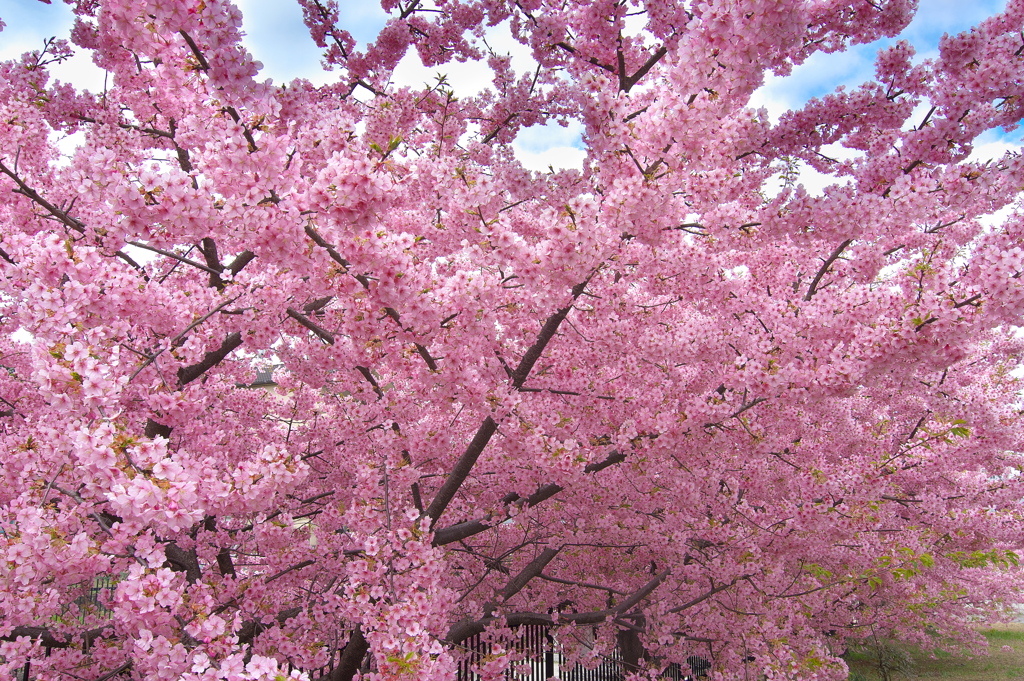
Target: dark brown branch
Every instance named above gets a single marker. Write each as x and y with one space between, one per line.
590 60
47 639
230 110
627 82
364 280
368 375
317 305
902 502
913 164
466 628
458 532
749 405
128 259
636 113
547 332
240 261
224 562
183 561
203 64
302 319
209 250
825 267
585 585
351 658
463 530
282 573
613 458
182 259
211 359
33 195
427 358
111 674
253 628
154 429
483 435
703 597
533 569
462 468
335 256
501 126
973 300
246 133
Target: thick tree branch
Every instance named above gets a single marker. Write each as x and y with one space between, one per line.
627 82
190 373
33 195
464 530
180 258
708 594
351 658
5 256
209 250
302 319
825 267
224 561
48 639
466 628
372 380
547 332
240 261
183 561
533 569
461 470
253 628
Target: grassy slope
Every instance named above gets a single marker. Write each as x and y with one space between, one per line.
999 665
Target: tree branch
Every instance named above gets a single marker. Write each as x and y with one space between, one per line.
211 359
824 268
467 628
324 334
183 561
351 658
461 470
33 195
464 530
533 569
627 82
703 597
180 258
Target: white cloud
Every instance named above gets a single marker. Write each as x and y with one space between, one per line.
557 158
276 35
992 145
28 28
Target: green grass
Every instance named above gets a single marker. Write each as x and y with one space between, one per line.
998 665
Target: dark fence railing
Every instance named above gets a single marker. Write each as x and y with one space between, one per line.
545 661
535 648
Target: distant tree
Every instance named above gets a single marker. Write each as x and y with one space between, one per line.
672 403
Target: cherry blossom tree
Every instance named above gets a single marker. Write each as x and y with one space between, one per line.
672 403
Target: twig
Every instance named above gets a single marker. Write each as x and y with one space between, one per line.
825 267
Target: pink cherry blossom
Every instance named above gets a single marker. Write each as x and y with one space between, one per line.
672 402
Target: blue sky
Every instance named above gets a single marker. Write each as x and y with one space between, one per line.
276 35
822 72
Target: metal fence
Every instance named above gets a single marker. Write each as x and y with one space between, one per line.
536 650
539 659
545 661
